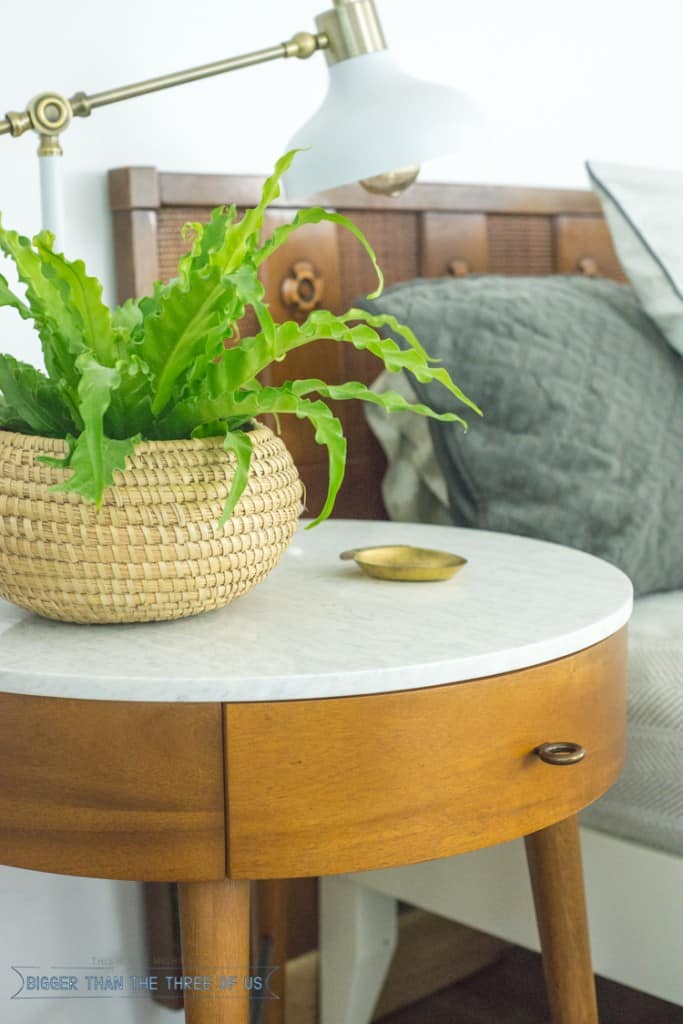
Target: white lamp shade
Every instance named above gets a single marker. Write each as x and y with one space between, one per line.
374 118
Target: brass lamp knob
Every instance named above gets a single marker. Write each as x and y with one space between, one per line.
560 753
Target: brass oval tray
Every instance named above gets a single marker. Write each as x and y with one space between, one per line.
405 562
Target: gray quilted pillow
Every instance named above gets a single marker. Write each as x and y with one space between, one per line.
582 437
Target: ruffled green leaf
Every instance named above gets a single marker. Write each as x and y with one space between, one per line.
11 420
149 304
65 460
31 397
328 432
84 296
130 409
240 443
92 475
207 364
127 317
416 355
208 238
226 244
314 215
391 401
216 281
382 320
58 324
243 238
217 428
94 456
191 318
8 298
252 292
253 355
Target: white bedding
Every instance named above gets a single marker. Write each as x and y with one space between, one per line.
646 804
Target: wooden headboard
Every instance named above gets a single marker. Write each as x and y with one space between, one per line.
432 230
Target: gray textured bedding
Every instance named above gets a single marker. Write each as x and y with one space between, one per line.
646 803
581 442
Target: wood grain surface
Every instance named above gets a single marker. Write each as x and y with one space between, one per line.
582 239
356 783
112 789
214 935
178 189
554 858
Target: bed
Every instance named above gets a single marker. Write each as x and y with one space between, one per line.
431 231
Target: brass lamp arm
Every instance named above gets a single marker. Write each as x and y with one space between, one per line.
50 113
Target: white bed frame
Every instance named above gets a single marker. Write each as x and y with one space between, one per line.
635 906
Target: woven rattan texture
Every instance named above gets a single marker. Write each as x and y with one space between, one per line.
520 246
170 240
154 550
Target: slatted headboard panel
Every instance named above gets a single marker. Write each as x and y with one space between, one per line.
430 231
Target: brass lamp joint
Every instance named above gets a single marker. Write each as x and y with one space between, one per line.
305 44
49 113
18 121
49 145
352 29
80 105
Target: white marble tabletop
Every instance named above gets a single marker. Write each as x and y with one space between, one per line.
318 627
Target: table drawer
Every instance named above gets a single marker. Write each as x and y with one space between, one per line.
352 784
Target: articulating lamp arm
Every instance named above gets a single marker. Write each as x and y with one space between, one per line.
49 114
350 29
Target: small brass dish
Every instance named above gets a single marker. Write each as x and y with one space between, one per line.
404 562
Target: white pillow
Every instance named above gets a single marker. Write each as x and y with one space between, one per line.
414 489
644 211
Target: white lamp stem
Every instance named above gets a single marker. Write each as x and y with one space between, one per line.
52 192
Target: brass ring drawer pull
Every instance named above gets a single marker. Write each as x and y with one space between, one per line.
560 753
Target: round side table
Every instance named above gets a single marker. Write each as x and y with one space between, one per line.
328 723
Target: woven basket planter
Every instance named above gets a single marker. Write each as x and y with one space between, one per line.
154 550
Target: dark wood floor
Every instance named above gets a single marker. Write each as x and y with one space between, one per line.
512 992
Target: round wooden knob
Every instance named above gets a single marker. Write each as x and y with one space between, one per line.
560 753
458 268
303 289
588 267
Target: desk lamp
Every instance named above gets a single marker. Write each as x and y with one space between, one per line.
395 120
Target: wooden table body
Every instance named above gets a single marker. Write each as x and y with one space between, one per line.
215 794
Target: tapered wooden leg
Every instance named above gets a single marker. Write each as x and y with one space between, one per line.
554 859
214 935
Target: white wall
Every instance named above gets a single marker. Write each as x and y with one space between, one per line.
558 82
56 921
